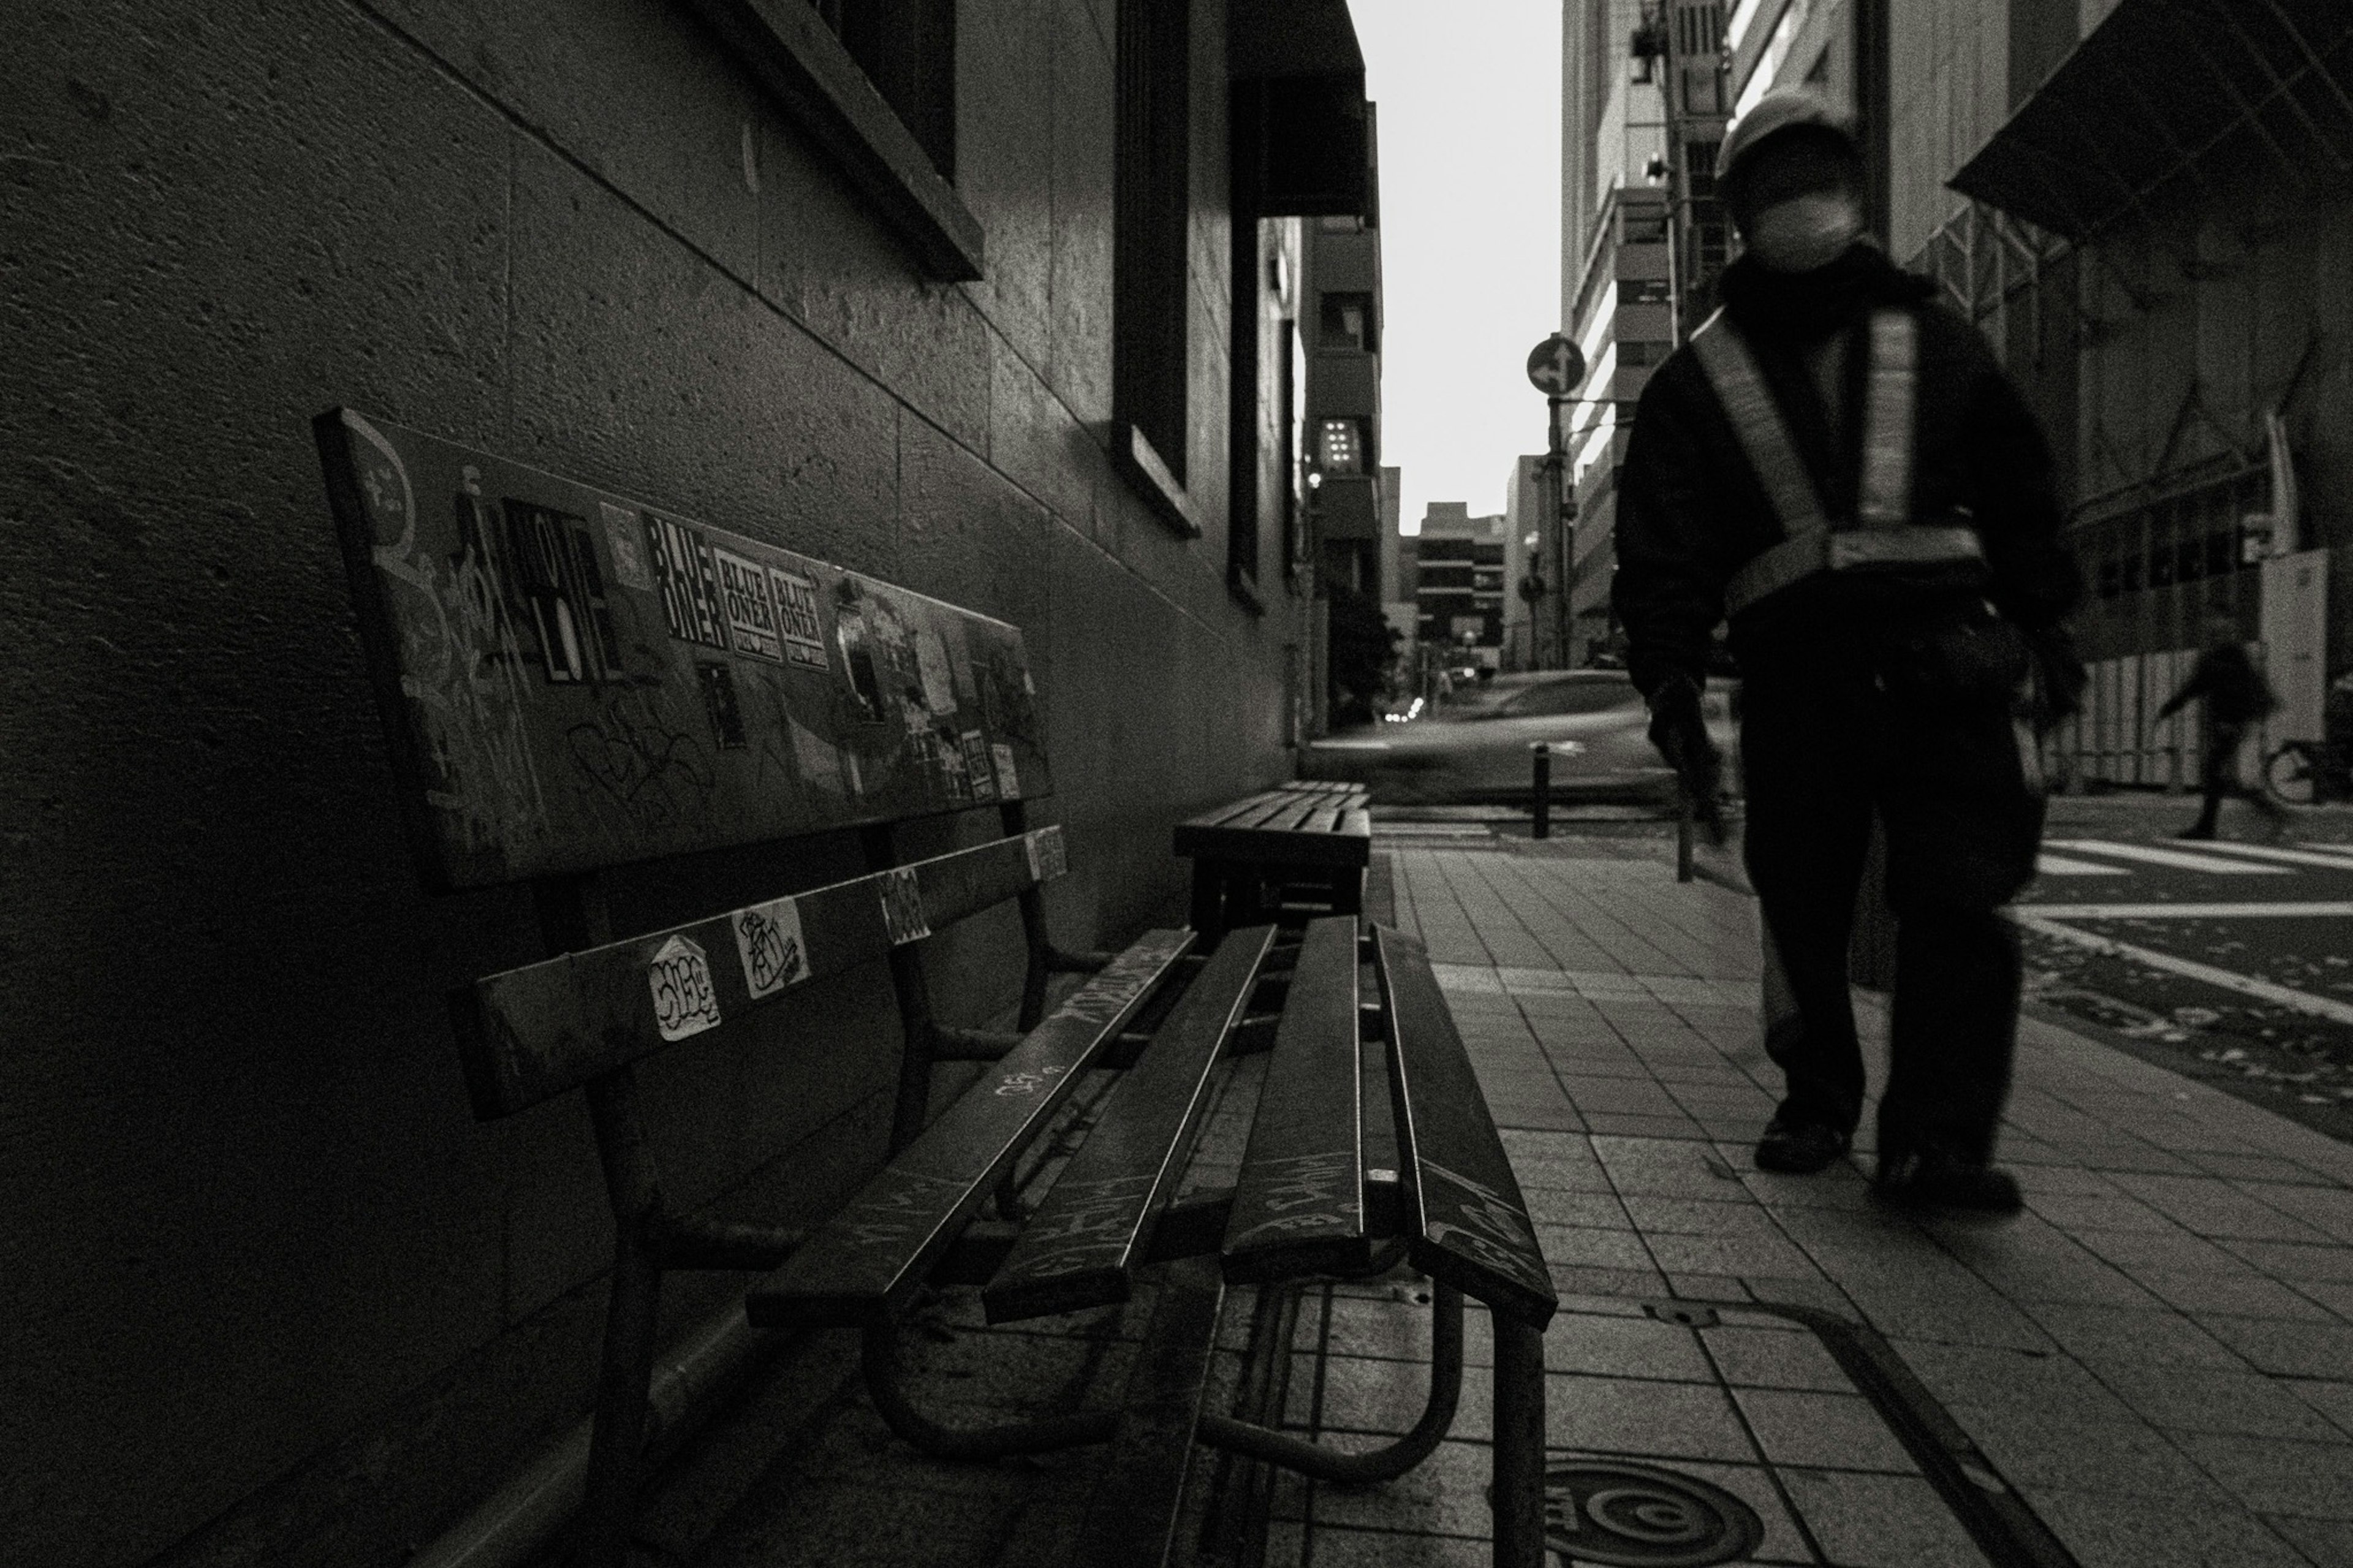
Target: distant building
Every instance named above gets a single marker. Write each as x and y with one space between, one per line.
1463 566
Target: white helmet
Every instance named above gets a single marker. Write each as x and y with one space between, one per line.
1786 110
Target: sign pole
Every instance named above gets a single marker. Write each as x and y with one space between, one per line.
1554 367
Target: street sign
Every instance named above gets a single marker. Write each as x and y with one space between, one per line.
1556 366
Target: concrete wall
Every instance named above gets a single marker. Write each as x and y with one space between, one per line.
261 1268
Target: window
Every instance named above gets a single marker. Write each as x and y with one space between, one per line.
1644 291
1152 212
907 49
1339 447
1348 321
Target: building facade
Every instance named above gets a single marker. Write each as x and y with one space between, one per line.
1464 568
985 298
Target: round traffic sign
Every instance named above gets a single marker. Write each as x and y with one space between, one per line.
1556 366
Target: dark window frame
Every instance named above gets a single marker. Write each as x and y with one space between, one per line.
1152 256
811 75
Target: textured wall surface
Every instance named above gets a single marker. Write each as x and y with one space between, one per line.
252 1222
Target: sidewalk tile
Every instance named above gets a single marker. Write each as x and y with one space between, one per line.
1797 1426
2214 1400
2295 1264
2095 1333
1880 1522
2105 1531
1625 1347
2279 1475
1772 1358
2327 1542
2244 1293
1749 1256
2284 1347
1668 1420
2332 1399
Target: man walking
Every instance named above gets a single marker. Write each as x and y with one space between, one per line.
1838 469
2237 698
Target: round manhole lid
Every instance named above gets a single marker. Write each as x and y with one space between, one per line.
1640 1516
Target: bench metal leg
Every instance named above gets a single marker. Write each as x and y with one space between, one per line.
1519 1497
610 1505
1382 1464
1208 901
878 1355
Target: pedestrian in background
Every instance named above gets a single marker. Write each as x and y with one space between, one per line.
1836 467
2237 698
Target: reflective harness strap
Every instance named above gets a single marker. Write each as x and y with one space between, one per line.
1885 535
1884 497
1757 422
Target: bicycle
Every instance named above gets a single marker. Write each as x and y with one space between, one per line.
2300 772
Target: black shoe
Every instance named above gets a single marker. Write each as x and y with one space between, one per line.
1798 1148
2195 833
1933 1179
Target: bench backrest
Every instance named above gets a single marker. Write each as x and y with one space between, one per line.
573 679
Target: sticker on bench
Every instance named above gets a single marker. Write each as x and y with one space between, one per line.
626 543
978 764
685 1002
1024 1083
797 618
1049 856
903 907
768 939
750 603
690 581
1009 778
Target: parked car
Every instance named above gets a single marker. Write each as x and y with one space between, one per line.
1475 745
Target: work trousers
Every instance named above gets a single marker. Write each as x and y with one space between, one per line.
1959 790
2220 776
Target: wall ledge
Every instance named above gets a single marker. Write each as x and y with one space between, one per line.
1133 454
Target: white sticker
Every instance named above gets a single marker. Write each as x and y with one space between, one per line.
627 546
978 764
746 599
1049 856
685 1002
797 618
768 939
932 665
903 907
1009 781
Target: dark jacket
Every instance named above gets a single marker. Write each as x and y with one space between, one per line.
2235 691
1690 511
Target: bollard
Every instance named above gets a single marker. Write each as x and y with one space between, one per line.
1683 834
1541 828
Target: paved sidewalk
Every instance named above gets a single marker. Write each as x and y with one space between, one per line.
2156 1358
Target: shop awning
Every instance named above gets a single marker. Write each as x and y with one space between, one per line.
2167 91
1301 129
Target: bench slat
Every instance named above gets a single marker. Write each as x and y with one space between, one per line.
1266 847
1078 1250
1322 819
877 1251
1226 813
1355 822
1299 1206
529 1033
1466 1222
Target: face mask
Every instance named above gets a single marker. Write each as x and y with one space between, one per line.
1805 232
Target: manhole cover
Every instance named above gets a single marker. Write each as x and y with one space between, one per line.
1608 1511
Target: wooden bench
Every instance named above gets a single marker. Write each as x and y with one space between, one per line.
573 682
1297 847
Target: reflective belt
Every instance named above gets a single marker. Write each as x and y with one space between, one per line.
1883 535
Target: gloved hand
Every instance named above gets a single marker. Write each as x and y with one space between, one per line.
1680 734
2058 677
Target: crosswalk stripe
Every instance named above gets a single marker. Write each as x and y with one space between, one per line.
2288 856
2334 907
2211 865
2245 985
2342 851
2059 866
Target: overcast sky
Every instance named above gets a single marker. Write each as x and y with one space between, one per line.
1470 126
